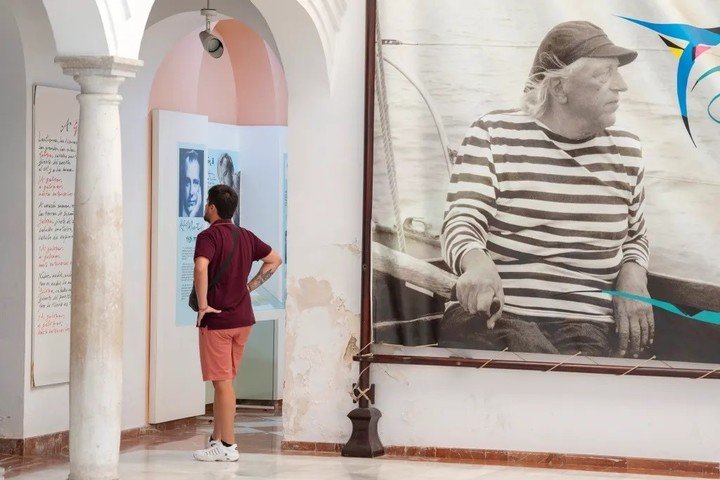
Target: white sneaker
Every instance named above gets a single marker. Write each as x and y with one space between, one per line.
211 442
218 453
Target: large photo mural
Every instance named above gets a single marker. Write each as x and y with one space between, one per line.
545 175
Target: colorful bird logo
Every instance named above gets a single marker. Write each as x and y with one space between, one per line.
699 41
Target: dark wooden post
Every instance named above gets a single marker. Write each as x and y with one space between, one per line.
364 440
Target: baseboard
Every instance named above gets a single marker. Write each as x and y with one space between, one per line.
273 406
10 446
57 444
598 463
310 447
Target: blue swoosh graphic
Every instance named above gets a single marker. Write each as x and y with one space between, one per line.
695 36
709 72
706 316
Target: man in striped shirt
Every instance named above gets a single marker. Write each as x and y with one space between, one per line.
545 213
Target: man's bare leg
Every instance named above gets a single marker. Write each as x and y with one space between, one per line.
224 411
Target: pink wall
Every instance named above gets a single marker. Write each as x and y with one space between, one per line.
246 86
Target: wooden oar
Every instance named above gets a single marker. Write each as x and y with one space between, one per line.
410 269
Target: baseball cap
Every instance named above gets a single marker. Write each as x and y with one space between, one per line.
570 41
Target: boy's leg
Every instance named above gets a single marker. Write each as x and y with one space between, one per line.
225 390
224 411
216 362
221 353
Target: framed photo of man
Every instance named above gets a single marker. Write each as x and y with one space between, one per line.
191 163
543 176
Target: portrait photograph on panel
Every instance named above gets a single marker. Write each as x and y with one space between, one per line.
542 178
191 182
228 172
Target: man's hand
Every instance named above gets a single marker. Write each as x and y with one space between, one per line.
479 289
634 322
203 311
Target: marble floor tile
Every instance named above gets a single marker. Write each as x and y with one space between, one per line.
167 454
179 465
258 423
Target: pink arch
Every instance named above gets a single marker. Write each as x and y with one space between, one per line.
246 86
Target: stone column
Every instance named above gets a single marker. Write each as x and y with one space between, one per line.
96 331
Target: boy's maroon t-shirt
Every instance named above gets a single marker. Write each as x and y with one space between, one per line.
230 293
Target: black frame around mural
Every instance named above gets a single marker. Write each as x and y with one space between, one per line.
672 290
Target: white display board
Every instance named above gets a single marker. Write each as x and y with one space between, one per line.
176 386
55 126
190 155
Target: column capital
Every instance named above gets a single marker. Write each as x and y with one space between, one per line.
107 66
99 74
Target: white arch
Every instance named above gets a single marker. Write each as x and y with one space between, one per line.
324 137
299 40
98 27
327 16
77 27
165 10
293 29
116 27
168 22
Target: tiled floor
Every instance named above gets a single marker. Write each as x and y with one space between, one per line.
257 430
167 455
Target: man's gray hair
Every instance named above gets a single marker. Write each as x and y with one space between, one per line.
536 96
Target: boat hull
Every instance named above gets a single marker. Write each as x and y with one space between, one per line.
405 314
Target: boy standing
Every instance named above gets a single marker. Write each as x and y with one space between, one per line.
224 253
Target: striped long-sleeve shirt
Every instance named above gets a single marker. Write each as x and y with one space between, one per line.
556 215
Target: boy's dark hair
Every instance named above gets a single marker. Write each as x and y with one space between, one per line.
225 200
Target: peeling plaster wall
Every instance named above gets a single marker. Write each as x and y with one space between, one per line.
324 231
322 336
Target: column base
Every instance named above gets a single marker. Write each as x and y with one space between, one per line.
364 440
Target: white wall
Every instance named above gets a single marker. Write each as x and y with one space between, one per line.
13 234
135 129
46 408
433 406
628 416
325 151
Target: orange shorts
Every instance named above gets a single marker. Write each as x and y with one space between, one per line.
221 352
